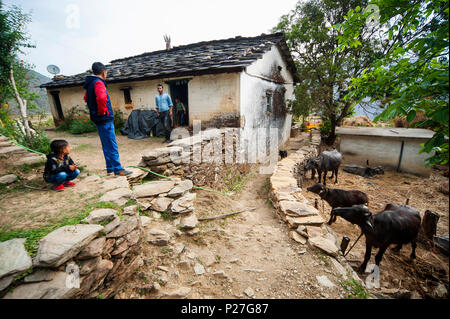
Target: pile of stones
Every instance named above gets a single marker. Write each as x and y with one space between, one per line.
193 158
76 261
170 197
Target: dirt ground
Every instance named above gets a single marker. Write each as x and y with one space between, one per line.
253 248
27 207
431 266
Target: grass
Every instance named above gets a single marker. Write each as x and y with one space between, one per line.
235 183
34 235
354 289
324 258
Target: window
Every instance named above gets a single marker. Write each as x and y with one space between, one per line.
269 101
127 95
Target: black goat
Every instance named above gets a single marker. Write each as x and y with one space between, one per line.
326 161
283 154
398 225
339 197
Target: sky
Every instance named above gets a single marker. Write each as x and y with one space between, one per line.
74 34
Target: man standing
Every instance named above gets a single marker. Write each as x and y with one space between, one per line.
101 112
164 108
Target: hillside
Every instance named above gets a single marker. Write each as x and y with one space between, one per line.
36 79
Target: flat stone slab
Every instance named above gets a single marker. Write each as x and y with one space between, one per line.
13 257
8 179
297 237
157 237
99 215
128 224
181 188
114 183
40 275
64 243
11 149
152 188
119 196
93 249
32 159
295 208
54 289
325 245
160 204
145 221
189 222
294 222
183 204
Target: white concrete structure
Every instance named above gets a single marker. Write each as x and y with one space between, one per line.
392 148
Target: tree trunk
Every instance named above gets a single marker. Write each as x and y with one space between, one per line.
22 106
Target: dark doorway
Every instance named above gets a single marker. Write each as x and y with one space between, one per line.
179 89
57 103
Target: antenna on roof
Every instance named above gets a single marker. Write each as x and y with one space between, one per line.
167 39
53 69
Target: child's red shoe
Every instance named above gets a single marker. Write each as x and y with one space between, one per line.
69 184
58 188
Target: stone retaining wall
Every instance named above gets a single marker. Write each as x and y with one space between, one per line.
201 158
104 251
305 221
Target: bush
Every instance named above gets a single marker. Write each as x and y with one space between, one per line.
325 128
119 121
9 127
82 125
77 121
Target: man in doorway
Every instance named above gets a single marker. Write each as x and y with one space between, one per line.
101 112
180 110
164 109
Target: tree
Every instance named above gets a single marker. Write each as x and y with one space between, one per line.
325 73
13 38
412 73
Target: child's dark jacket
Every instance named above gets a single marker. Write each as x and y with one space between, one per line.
54 165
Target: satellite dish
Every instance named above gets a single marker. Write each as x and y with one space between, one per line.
53 69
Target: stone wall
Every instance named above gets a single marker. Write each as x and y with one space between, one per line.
307 225
195 158
104 251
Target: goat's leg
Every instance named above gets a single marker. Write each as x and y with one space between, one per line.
332 218
363 266
320 175
313 173
379 255
413 245
336 174
324 178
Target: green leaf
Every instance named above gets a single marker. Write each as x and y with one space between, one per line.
411 116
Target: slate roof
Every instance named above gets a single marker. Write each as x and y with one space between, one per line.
207 57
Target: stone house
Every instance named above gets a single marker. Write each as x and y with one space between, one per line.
244 82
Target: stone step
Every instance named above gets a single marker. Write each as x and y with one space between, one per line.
3 138
6 144
32 159
12 149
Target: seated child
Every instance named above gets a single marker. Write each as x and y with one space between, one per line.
60 168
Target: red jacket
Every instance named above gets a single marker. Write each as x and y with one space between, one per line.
101 97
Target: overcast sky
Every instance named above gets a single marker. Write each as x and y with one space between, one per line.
74 34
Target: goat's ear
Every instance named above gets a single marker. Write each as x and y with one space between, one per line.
321 191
